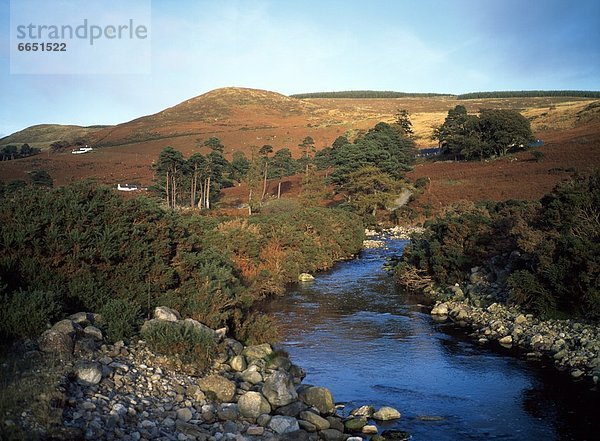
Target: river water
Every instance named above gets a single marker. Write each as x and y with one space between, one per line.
369 343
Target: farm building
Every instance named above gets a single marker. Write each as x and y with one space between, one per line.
127 187
81 150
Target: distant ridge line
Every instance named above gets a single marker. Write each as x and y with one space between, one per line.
367 94
464 96
530 94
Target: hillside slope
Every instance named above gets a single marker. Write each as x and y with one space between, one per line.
240 117
42 135
248 118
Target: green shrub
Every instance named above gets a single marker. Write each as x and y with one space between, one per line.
257 328
422 182
190 343
101 253
121 319
552 248
27 313
528 292
538 155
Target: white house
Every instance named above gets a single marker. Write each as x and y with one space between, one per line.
127 187
81 150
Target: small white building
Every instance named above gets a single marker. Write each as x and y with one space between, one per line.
127 187
81 150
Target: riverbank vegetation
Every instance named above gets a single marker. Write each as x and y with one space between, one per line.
545 254
83 247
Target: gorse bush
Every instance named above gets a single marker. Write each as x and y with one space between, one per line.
27 313
121 319
257 328
189 342
527 291
551 248
100 253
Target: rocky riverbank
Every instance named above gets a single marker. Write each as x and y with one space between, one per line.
375 239
128 392
571 345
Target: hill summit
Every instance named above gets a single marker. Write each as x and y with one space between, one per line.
221 110
231 104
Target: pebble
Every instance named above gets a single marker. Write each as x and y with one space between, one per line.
184 414
255 431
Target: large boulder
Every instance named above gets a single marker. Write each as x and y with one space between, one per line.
355 424
201 327
440 309
234 346
251 375
217 387
56 342
82 318
386 413
93 332
366 411
283 424
318 397
258 351
279 389
228 412
166 313
292 409
67 327
305 277
332 435
318 421
253 404
88 373
238 363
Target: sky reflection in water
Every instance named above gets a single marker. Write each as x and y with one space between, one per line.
369 344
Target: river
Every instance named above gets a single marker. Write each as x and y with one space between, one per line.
369 343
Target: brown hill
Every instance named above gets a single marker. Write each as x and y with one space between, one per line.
42 135
240 117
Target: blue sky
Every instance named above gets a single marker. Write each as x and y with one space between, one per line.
289 46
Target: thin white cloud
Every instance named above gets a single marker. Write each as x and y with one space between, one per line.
244 44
